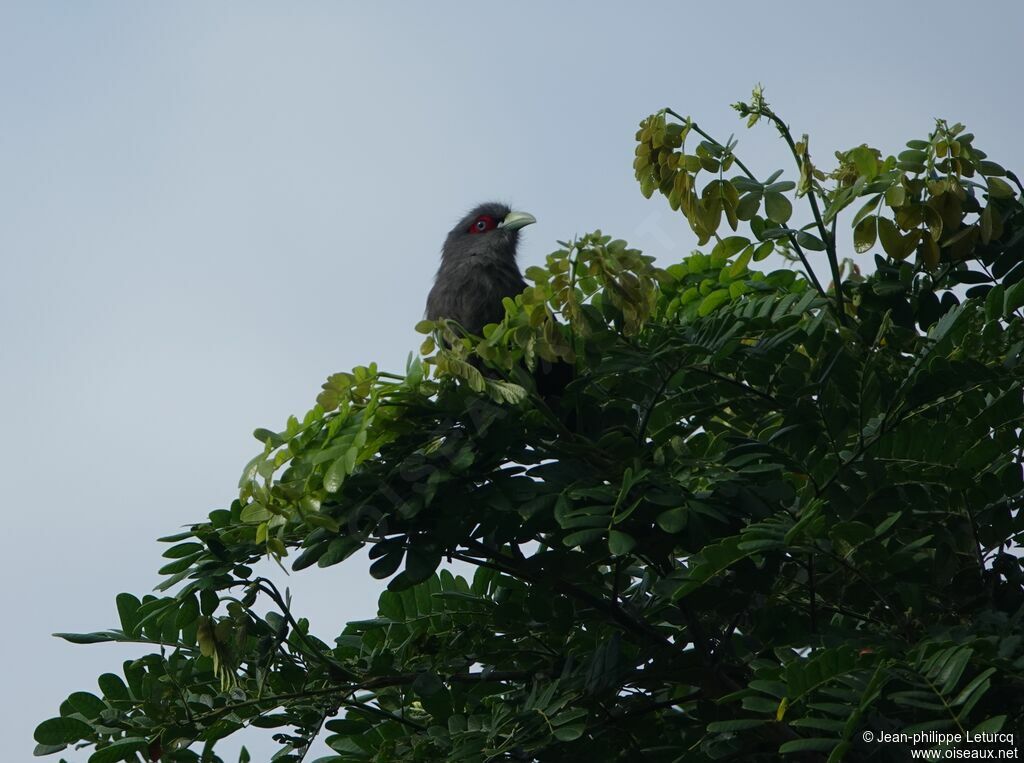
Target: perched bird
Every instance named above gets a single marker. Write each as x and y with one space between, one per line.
478 268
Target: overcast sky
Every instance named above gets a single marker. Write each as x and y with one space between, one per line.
206 208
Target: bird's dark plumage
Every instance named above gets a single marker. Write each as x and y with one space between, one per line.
478 268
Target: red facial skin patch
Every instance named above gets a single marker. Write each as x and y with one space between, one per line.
482 224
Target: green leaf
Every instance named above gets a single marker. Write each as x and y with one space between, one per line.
673 520
865 234
740 265
727 248
870 206
807 241
896 196
265 435
620 543
183 549
748 205
865 161
992 725
777 207
421 560
953 670
987 224
336 473
387 565
912 160
128 612
891 239
188 613
178 565
991 169
813 744
570 732
250 471
255 513
763 250
994 302
98 637
884 526
928 253
113 688
711 561
338 550
120 750
583 537
712 300
1014 298
506 392
87 704
978 682
849 535
176 537
999 189
41 750
56 731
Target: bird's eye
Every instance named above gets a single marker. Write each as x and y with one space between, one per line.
482 223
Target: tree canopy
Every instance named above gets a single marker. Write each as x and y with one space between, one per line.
774 510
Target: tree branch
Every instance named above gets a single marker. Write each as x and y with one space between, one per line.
789 236
829 241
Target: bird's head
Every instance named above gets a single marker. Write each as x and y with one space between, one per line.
490 231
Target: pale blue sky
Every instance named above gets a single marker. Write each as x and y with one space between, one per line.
206 208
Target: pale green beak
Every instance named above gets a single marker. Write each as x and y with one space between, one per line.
517 220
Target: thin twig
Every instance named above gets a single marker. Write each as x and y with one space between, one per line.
270 589
828 241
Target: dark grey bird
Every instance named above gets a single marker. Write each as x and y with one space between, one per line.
478 270
478 267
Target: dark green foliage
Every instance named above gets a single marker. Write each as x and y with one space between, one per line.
765 518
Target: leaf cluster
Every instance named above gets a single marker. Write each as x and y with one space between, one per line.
764 517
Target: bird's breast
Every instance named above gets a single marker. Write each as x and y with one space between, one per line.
471 292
